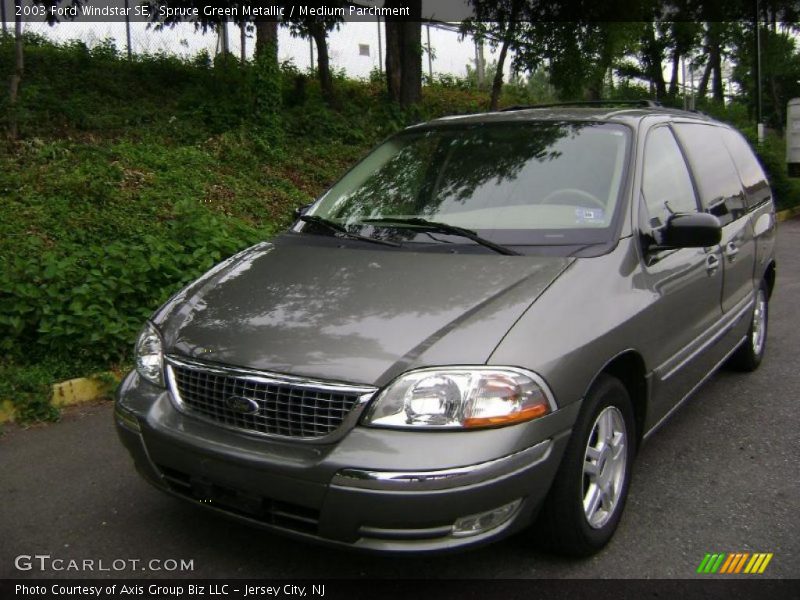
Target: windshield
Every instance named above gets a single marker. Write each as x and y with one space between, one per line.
514 183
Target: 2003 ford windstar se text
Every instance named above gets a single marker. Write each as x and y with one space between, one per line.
471 332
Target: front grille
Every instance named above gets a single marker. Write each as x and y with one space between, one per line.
289 409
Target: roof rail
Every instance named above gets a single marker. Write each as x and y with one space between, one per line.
588 103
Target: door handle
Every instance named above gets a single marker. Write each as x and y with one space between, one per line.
712 263
731 250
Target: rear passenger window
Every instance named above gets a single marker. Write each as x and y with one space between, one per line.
666 185
717 179
752 175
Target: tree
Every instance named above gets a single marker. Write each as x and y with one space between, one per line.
714 43
16 76
317 28
579 54
498 23
682 36
652 55
404 54
780 65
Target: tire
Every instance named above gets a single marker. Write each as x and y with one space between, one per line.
569 528
750 354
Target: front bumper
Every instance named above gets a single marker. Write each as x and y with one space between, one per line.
375 489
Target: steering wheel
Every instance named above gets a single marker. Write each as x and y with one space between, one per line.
573 192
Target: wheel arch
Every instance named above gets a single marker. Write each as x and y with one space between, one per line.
629 368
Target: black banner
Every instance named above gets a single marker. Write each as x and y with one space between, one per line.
243 11
441 589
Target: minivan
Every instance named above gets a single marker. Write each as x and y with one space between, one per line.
470 334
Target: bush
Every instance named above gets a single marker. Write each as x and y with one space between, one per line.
29 390
86 303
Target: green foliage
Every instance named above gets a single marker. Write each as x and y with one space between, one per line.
113 200
87 302
29 390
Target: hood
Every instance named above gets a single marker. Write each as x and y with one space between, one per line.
359 314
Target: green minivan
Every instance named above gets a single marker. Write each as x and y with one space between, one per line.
470 334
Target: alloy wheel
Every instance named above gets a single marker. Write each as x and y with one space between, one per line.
604 464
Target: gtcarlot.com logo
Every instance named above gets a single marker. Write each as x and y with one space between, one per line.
45 562
735 563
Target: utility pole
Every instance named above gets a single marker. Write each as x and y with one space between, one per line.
759 123
430 56
127 26
683 80
479 64
243 42
3 15
380 48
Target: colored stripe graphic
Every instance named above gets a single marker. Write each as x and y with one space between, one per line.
704 563
764 564
731 560
730 563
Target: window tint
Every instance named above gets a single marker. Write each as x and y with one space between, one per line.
666 185
717 179
750 171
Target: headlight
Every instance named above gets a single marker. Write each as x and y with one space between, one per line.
149 355
461 397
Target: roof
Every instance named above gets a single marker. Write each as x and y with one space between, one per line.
568 112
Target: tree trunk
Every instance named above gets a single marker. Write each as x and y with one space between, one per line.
16 76
411 78
703 87
655 70
267 39
404 55
673 80
715 60
497 84
594 90
394 65
320 36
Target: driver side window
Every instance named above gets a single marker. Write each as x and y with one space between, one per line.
666 184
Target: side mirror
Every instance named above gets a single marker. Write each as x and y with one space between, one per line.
301 210
691 230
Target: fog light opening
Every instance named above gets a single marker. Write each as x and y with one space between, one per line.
482 522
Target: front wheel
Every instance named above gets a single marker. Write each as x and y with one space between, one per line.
750 354
585 504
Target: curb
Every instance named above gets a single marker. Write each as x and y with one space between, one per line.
69 393
787 214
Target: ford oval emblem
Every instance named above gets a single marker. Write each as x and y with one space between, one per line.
242 405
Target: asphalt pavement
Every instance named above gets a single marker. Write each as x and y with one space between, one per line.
720 476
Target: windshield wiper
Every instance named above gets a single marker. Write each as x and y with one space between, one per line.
332 226
437 227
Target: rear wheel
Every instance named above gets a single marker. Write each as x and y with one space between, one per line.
749 355
584 506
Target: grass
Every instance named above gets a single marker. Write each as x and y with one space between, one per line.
131 178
